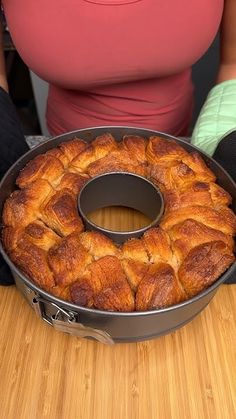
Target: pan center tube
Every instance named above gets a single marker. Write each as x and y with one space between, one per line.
121 189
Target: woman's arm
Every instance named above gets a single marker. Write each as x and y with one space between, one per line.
227 68
3 77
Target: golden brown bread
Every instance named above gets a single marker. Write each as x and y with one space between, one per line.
190 233
72 148
68 259
72 181
203 265
98 245
136 147
160 150
23 205
189 250
104 285
43 166
33 261
208 194
159 288
98 149
118 160
59 212
222 219
36 232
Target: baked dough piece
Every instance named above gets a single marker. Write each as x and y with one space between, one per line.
22 207
136 147
104 286
203 265
72 181
98 149
36 233
208 194
135 261
44 166
72 148
159 288
117 161
161 150
98 245
68 260
59 212
33 262
190 233
222 219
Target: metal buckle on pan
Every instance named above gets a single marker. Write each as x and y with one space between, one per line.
66 321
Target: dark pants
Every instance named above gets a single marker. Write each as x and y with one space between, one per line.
12 146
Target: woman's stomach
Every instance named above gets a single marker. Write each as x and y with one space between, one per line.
163 104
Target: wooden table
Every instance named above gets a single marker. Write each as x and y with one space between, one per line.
190 373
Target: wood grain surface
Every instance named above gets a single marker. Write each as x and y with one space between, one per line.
187 374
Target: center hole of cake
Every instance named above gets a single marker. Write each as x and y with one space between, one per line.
119 218
120 205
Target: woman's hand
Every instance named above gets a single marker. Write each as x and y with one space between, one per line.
217 116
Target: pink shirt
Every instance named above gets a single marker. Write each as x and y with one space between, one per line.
115 62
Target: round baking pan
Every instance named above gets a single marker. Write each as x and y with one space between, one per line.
110 327
125 190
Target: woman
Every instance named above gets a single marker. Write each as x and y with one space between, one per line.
127 62
115 62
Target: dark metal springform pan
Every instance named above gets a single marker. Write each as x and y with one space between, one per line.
110 327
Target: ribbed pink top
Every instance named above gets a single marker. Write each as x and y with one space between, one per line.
115 62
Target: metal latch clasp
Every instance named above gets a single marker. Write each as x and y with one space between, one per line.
67 321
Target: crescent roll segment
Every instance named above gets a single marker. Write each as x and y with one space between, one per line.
98 149
59 212
136 147
203 265
159 288
177 175
134 249
72 181
22 207
158 246
36 233
134 271
161 150
104 286
68 260
191 233
33 262
43 166
117 161
72 148
198 165
58 154
171 175
223 220
197 193
134 260
98 245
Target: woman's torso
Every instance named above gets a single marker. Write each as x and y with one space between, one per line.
106 55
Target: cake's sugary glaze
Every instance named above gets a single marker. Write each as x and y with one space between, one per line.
45 238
